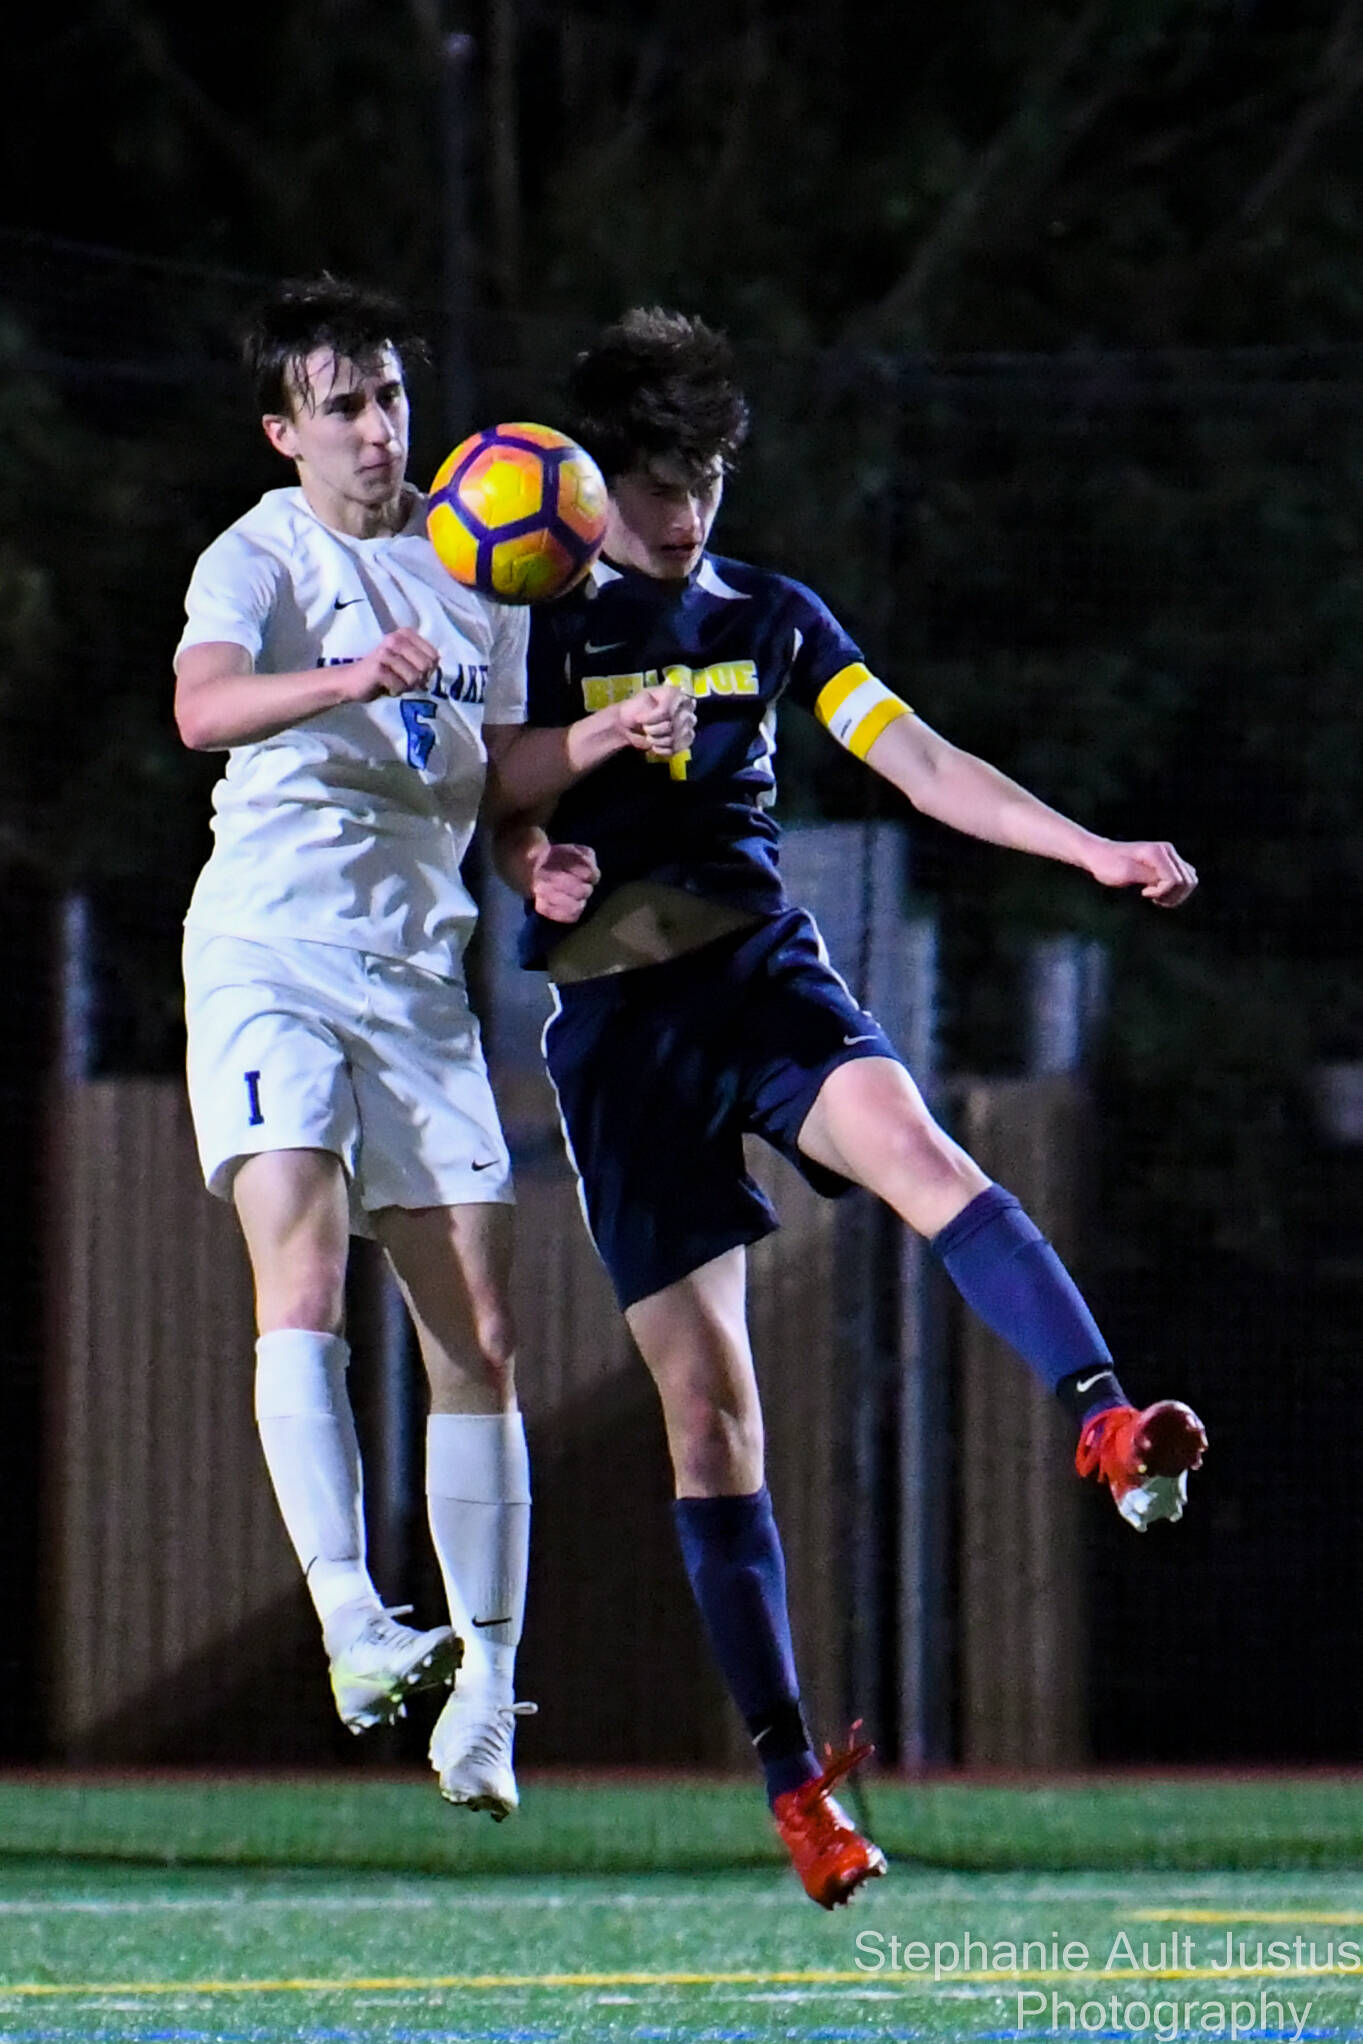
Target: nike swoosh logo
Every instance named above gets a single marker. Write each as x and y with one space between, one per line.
611 646
858 1039
483 1623
344 604
1083 1384
486 1164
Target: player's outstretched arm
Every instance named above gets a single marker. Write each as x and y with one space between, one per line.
221 701
533 764
969 795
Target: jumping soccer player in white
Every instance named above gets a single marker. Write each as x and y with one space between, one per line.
335 1071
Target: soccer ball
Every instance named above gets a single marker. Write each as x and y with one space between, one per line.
518 512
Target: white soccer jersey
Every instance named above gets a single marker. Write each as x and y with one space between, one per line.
350 827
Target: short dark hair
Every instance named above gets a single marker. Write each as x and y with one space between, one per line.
658 384
320 312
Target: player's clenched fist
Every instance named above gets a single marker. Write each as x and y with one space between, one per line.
562 880
401 661
660 720
1162 875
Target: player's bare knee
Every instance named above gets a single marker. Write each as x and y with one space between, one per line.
311 1295
920 1168
494 1341
715 1450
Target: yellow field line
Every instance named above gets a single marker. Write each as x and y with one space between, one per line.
1339 1916
491 1982
425 1983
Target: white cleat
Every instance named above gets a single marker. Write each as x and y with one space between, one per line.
1159 1497
471 1745
382 1663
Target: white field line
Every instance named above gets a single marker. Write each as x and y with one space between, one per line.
1179 1904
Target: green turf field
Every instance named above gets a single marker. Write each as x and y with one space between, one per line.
330 1913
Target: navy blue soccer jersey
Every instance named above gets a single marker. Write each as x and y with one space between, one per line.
738 639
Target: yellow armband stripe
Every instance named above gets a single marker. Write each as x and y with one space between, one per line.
834 693
856 708
870 728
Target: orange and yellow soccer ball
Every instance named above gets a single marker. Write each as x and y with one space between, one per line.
518 512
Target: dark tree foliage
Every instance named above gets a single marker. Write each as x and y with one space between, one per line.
989 175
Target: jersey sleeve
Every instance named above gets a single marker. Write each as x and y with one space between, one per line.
829 677
506 687
231 593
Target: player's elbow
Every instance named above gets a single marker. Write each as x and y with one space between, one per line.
528 770
208 715
501 810
919 784
512 820
927 775
195 723
913 759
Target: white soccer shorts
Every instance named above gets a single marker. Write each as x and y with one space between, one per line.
302 1046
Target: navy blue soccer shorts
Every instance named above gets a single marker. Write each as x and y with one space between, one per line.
660 1071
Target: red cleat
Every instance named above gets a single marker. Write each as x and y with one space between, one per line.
828 1852
1143 1457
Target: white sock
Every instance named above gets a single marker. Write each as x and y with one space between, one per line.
478 1497
308 1434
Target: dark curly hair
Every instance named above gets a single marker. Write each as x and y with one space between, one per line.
658 385
320 312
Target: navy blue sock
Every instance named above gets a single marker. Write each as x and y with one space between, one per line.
1003 1266
733 1557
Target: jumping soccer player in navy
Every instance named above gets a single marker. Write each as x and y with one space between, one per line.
694 1003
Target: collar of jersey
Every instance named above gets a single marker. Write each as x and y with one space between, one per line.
659 588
